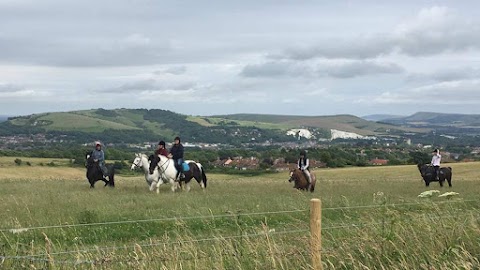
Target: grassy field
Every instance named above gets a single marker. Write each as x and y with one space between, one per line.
73 227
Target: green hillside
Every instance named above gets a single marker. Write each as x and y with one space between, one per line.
142 125
438 119
349 123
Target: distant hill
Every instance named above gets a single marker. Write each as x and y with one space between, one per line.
438 119
141 125
381 117
348 123
3 118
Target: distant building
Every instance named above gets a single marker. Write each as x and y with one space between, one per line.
378 162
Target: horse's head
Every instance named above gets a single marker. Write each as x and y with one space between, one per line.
292 175
154 159
88 159
137 162
424 169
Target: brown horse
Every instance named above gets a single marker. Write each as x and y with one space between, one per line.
300 180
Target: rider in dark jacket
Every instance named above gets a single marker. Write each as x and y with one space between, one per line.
304 165
176 153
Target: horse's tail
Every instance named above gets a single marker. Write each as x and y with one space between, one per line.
204 177
111 178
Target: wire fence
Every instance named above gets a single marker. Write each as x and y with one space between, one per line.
229 215
47 257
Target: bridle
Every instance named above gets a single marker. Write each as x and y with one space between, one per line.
160 167
134 163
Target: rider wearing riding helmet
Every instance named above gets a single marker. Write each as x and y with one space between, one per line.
154 159
176 153
99 156
161 149
304 165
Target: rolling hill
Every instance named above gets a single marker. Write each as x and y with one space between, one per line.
142 125
4 118
348 123
437 119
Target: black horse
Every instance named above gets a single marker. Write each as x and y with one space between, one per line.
428 174
94 172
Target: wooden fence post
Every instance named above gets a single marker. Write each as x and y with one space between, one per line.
316 233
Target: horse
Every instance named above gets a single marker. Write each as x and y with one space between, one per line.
428 174
155 179
167 169
94 172
300 180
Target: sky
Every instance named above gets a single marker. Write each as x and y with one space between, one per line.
252 56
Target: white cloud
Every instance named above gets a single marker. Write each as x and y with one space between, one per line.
443 93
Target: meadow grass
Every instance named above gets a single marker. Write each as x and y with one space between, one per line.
218 229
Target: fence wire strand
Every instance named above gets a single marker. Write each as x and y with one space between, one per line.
112 248
219 216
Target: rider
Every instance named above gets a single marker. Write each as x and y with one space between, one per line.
436 158
160 151
303 164
176 153
99 156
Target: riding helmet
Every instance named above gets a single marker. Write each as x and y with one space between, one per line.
98 143
161 143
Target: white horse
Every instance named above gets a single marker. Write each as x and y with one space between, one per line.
166 167
155 179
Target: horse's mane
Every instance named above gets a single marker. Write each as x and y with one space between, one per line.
298 173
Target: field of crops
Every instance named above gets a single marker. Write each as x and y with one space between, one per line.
372 218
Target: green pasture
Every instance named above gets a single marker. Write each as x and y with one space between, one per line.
372 218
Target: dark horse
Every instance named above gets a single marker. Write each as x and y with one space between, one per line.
94 172
167 170
428 174
300 180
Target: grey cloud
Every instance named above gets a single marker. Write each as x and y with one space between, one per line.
338 69
432 31
444 93
175 70
358 48
149 85
274 69
134 49
360 68
456 74
7 87
446 75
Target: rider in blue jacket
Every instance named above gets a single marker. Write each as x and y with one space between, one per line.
99 156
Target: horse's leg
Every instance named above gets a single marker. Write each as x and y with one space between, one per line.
174 184
152 186
159 183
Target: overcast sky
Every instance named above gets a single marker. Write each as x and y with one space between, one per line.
250 56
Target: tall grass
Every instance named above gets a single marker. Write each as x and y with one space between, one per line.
398 231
